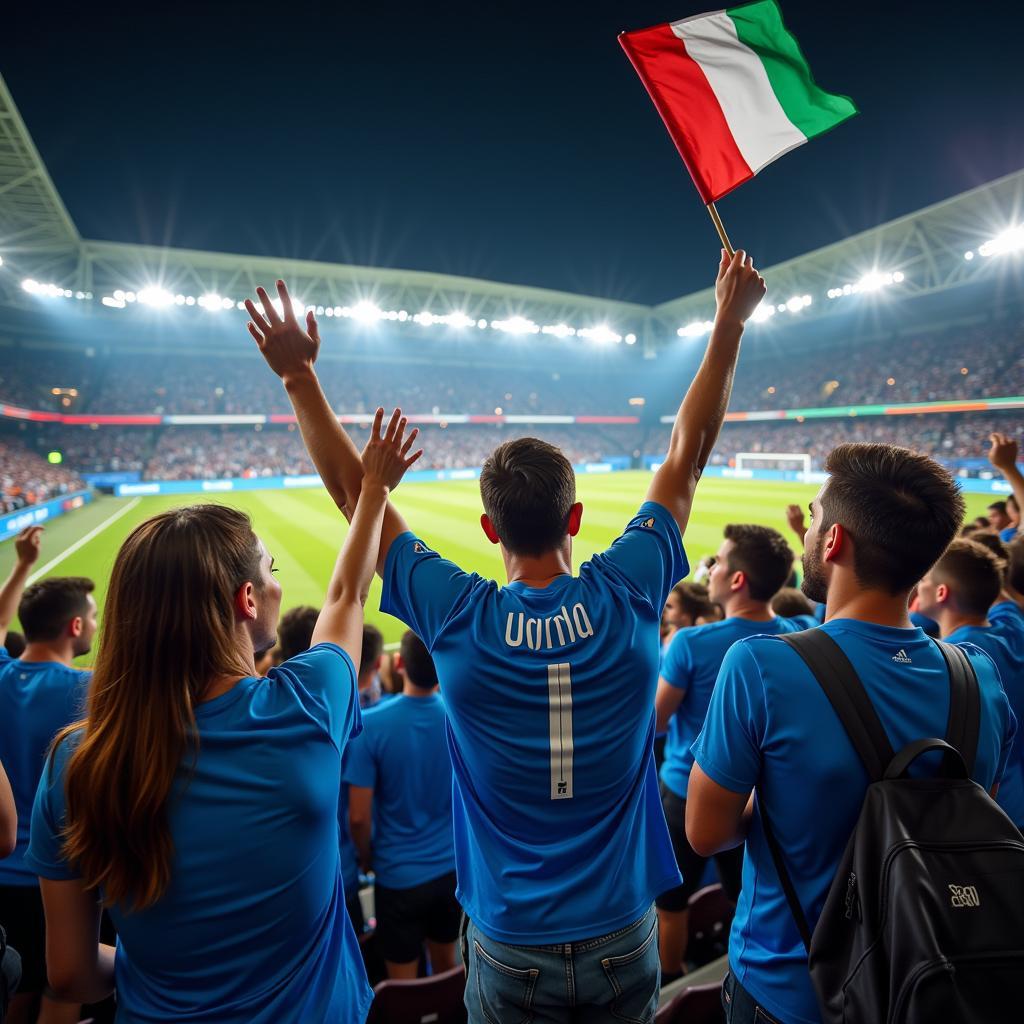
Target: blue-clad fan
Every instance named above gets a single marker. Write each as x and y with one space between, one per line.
400 812
549 687
199 801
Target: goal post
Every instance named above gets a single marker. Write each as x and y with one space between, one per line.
799 461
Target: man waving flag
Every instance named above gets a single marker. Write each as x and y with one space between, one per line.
733 90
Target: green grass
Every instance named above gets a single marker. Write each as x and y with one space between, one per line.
304 531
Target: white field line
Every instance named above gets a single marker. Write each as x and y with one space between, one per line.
82 541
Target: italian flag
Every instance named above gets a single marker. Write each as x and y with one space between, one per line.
733 90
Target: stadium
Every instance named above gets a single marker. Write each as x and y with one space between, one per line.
130 387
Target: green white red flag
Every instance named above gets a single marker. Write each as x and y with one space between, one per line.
734 91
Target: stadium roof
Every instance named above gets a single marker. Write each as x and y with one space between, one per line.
939 248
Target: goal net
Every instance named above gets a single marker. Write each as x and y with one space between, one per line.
798 461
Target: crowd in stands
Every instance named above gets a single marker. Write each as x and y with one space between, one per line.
954 363
222 805
26 478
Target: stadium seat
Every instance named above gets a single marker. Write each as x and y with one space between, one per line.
710 917
436 1000
699 1004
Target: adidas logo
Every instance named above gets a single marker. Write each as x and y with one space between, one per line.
902 658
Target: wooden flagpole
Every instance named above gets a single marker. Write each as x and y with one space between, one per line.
717 221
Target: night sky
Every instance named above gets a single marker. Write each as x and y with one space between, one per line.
511 142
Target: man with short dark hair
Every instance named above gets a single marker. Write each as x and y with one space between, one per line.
997 517
40 693
879 523
400 814
369 667
752 564
549 681
958 592
295 631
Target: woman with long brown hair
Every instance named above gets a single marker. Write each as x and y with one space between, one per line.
199 802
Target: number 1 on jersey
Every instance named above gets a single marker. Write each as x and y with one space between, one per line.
560 728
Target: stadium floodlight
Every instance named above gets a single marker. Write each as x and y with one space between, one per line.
602 334
155 296
764 311
459 320
558 330
1 261
969 255
795 304
516 325
211 302
112 301
696 329
365 312
1010 240
631 339
425 319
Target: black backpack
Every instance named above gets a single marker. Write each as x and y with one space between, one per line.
924 920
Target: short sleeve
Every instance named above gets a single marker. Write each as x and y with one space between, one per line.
421 588
323 680
677 668
648 557
1006 617
359 767
45 855
728 748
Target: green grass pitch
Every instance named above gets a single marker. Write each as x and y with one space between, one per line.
304 531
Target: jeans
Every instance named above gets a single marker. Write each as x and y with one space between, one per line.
740 1006
615 978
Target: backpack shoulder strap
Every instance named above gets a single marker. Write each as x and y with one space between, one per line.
846 693
837 677
964 723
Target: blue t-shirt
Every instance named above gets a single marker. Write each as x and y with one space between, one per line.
692 664
347 848
1008 534
770 725
252 928
37 699
1008 619
402 756
1007 653
559 831
930 626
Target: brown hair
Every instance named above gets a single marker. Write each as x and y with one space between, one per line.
168 631
693 598
295 630
900 509
789 602
762 555
417 662
528 489
973 572
371 650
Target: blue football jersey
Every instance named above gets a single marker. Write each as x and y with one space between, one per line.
559 831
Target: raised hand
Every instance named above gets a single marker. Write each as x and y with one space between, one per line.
386 457
739 288
795 518
27 545
288 346
1003 453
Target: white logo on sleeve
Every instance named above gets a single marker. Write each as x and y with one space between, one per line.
964 896
902 658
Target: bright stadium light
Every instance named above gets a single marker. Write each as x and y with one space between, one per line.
969 255
31 286
459 320
795 304
631 339
602 334
211 302
558 330
695 329
365 312
516 325
764 311
112 301
1010 240
155 296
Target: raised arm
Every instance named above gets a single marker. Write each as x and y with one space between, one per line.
1003 455
26 547
797 522
385 460
290 350
738 291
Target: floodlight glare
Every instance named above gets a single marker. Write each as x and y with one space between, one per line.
155 296
30 286
515 325
1010 240
795 304
763 312
459 319
365 312
696 329
558 330
602 334
211 302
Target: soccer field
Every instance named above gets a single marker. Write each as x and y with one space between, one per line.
303 530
